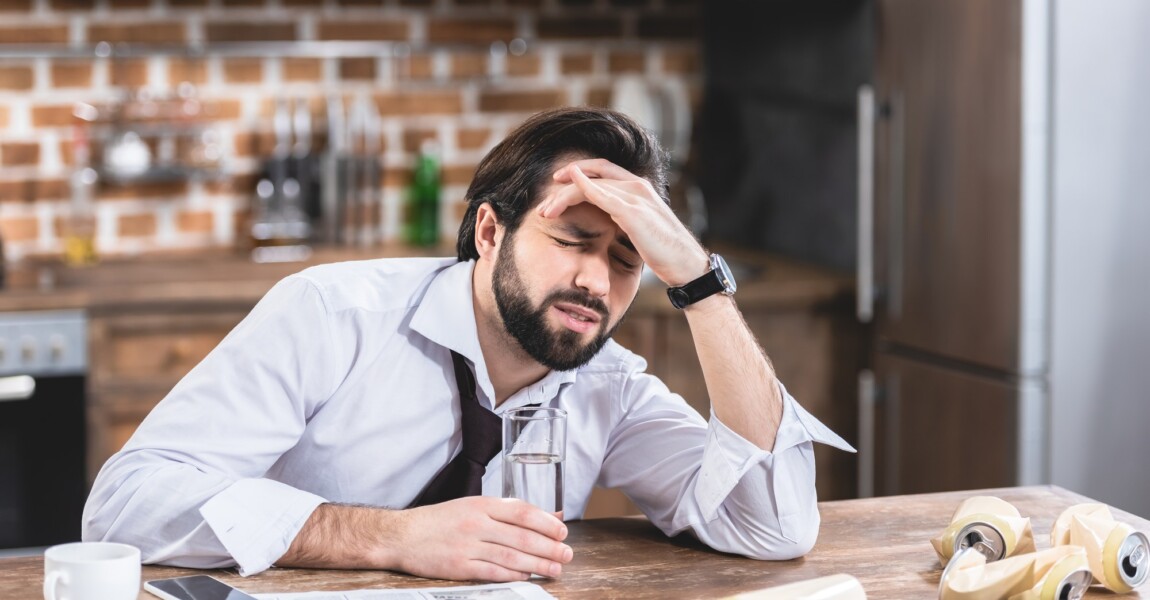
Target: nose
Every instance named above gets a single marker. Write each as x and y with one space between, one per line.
594 275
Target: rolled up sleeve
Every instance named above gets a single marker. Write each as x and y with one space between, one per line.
728 492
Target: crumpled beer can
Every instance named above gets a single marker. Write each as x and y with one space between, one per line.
988 525
1060 573
1119 556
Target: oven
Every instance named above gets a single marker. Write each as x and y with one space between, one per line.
43 484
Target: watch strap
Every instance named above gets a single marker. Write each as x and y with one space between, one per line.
701 287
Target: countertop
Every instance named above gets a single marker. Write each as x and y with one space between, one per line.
224 278
884 542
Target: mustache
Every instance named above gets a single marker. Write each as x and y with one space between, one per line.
581 298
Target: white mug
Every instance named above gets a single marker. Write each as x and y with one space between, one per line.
92 571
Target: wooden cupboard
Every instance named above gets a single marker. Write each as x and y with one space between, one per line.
136 358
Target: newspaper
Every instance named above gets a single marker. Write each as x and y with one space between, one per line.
519 590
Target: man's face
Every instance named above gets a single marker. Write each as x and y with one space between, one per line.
563 285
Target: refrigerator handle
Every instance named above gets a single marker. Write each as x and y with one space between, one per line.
866 146
866 428
894 111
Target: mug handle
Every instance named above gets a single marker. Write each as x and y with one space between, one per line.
51 581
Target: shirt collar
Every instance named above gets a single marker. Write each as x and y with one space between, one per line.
446 316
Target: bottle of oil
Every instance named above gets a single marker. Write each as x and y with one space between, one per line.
79 226
421 212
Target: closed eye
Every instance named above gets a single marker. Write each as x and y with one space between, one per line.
567 244
626 264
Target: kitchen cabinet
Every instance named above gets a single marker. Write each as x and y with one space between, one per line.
137 357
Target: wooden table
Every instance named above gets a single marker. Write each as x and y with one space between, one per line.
881 541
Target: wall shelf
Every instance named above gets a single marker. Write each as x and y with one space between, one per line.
315 49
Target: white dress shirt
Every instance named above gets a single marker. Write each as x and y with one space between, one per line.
339 387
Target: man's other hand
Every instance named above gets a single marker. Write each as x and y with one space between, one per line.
481 538
473 538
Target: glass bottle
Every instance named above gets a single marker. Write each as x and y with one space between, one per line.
421 214
79 225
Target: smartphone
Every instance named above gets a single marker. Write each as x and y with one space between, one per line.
194 587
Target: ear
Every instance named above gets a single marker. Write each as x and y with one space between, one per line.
488 232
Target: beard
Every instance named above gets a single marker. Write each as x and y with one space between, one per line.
527 324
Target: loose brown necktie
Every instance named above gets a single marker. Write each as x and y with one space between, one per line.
482 438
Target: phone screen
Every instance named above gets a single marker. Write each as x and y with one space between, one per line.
195 587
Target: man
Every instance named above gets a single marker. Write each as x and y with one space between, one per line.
309 436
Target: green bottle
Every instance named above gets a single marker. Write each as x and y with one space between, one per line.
421 213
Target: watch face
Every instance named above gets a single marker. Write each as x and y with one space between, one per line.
724 273
718 280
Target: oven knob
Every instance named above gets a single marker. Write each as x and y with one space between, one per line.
28 349
56 347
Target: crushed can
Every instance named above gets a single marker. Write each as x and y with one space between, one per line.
1060 573
988 525
1119 556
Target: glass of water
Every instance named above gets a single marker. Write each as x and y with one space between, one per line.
534 446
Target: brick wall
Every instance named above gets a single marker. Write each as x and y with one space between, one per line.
449 86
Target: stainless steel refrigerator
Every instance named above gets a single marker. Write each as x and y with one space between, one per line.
953 248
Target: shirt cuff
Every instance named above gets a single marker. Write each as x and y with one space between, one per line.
798 426
257 519
728 456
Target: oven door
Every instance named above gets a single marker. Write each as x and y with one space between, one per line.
42 445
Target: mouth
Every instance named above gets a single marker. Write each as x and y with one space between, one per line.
577 318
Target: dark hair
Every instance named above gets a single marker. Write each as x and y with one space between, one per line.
512 176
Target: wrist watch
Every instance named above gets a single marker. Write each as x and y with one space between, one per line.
718 279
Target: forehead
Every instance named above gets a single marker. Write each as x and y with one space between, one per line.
581 222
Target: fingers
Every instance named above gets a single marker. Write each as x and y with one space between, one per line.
487 571
518 561
562 199
610 195
491 539
527 539
600 182
530 517
596 167
545 553
598 192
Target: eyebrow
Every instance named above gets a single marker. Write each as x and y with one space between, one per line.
579 233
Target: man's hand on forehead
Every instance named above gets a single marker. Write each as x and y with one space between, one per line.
661 240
